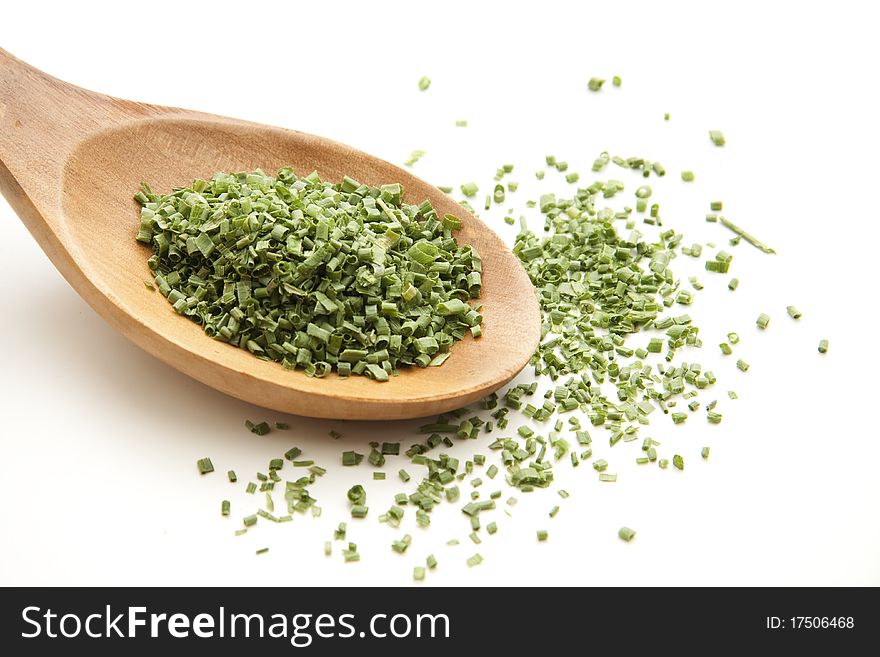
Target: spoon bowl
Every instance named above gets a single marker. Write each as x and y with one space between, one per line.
70 160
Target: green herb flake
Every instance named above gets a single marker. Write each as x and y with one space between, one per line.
626 534
205 466
424 83
717 137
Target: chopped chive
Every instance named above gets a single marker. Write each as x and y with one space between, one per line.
733 338
542 534
705 453
604 476
746 236
351 458
733 284
717 137
688 176
249 521
469 189
595 84
224 508
823 346
461 123
763 321
793 312
678 462
626 534
232 476
378 476
262 550
424 83
616 81
418 573
742 365
475 560
716 206
261 428
205 466
414 157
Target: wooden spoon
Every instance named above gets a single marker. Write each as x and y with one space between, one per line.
70 160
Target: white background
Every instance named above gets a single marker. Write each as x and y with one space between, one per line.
98 440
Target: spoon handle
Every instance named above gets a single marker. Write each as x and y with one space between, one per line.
42 119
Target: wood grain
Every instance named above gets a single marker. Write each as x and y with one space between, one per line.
70 160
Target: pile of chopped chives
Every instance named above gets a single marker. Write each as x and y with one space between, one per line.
314 275
598 288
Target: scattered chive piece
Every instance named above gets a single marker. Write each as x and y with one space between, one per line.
716 206
424 83
232 476
461 123
595 84
414 157
205 466
616 80
251 488
725 349
746 236
224 508
626 534
554 511
705 453
149 286
431 561
717 137
404 475
688 176
474 560
733 284
262 550
378 476
351 458
732 394
733 338
678 462
249 521
283 426
572 177
762 321
793 312
742 365
446 189
542 534
469 189
610 478
419 573
666 116
663 463
823 346
260 429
